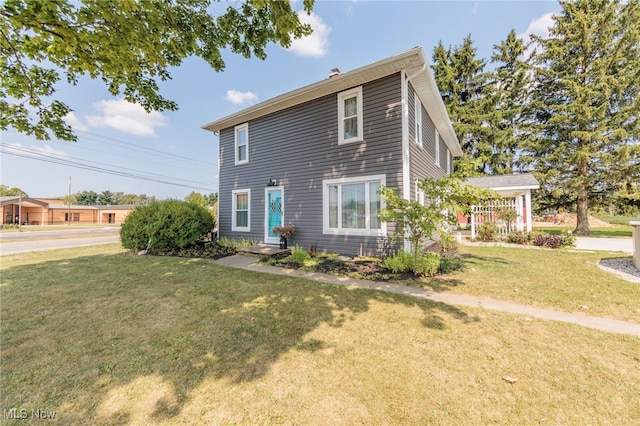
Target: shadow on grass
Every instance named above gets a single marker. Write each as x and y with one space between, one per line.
472 259
79 333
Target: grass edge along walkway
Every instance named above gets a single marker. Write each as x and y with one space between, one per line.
598 323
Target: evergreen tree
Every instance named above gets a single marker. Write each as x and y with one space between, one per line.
586 100
460 77
507 97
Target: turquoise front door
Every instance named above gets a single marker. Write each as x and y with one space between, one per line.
274 213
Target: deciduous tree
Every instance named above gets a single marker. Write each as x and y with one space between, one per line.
129 45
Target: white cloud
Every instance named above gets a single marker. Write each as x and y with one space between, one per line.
126 117
316 44
474 9
240 98
539 26
72 120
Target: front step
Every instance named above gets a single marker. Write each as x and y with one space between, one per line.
264 250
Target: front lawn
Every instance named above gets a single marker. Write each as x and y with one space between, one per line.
101 336
562 279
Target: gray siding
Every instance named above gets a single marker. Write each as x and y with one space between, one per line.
422 159
299 147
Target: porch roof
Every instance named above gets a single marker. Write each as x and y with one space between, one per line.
511 183
25 201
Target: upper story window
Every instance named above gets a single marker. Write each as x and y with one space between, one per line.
418 114
437 148
448 161
242 143
350 116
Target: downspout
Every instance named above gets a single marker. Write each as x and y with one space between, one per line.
406 148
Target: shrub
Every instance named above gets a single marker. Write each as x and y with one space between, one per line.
403 262
549 241
488 231
518 238
299 255
449 264
399 262
569 239
427 265
165 225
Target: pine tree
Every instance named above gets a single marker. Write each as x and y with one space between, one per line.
460 77
586 100
507 96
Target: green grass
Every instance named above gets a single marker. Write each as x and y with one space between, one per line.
619 220
105 337
560 279
616 230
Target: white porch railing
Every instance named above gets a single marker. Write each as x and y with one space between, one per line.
491 212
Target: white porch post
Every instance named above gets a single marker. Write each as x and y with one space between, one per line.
473 222
527 201
519 218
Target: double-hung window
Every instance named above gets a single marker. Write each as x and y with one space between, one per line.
351 206
437 148
241 220
242 143
350 116
418 118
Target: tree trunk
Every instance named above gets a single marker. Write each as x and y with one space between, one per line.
582 225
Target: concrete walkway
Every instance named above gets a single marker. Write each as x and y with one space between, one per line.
604 324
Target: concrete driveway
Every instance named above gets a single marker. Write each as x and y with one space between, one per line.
624 245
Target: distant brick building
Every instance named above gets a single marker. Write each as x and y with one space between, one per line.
42 211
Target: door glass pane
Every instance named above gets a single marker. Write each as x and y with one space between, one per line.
374 205
333 206
274 211
353 206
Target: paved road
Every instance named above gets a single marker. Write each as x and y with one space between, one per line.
41 245
57 233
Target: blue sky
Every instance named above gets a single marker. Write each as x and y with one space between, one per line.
167 154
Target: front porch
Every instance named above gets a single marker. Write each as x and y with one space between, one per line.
513 211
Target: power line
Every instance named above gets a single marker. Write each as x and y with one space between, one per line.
34 155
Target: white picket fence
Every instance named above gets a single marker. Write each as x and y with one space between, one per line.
490 212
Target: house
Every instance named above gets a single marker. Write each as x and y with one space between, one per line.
42 211
317 156
515 194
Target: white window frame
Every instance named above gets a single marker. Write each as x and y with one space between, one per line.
234 226
342 96
382 179
418 119
448 161
237 129
437 148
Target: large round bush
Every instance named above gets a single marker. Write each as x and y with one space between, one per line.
169 224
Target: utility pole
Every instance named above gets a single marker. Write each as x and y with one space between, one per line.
20 212
69 201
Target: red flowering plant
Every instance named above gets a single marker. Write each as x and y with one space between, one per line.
285 231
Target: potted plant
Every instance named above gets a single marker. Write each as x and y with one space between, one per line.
285 232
